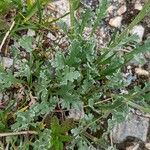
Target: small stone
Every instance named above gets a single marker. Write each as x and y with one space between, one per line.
31 32
24 60
124 91
138 6
141 72
111 9
139 31
129 67
76 114
51 36
62 7
116 21
147 145
122 10
136 126
7 62
6 97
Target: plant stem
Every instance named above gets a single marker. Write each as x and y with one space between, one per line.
72 19
137 19
17 133
6 35
100 102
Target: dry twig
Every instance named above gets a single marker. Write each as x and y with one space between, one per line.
6 35
17 133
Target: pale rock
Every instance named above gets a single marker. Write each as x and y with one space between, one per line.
129 67
7 62
141 72
62 7
147 145
51 36
138 6
139 31
135 126
76 114
124 91
6 97
31 32
116 21
122 10
110 9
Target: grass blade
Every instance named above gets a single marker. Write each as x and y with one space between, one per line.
100 15
137 19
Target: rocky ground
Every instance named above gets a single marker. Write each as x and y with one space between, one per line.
134 133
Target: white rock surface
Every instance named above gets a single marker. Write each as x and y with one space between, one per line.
116 21
139 31
110 9
6 97
51 36
138 6
141 72
62 7
76 114
7 62
31 32
136 127
147 145
122 10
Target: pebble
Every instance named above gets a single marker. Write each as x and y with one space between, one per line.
138 6
136 126
62 7
110 9
122 10
141 72
7 62
116 21
6 97
147 145
139 31
51 36
76 114
31 32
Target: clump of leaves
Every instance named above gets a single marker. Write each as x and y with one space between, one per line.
59 133
5 5
84 78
